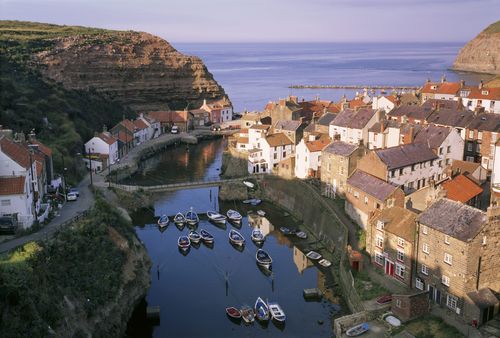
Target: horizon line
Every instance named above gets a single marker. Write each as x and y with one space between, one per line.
313 42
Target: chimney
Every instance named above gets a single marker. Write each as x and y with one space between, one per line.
293 99
428 80
410 135
382 126
282 102
204 102
104 128
480 84
462 83
443 79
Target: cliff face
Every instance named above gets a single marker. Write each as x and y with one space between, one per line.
482 54
138 70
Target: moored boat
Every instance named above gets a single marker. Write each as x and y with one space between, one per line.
233 312
313 255
253 201
163 221
194 237
216 217
183 242
357 330
236 237
261 213
179 219
234 216
257 236
301 235
206 236
263 258
277 312
191 217
325 262
249 184
247 314
384 299
261 310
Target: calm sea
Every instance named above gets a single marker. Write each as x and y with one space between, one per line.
252 74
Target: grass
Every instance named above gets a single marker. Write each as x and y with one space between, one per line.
430 327
366 287
493 28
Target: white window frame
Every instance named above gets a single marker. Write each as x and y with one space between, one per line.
401 256
448 259
366 200
379 258
419 284
401 242
379 239
445 280
425 230
400 270
425 269
446 239
425 248
451 301
380 225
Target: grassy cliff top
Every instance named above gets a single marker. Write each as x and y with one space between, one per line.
493 28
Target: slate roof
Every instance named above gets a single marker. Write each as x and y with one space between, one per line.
398 221
340 148
443 104
461 189
353 119
464 166
12 185
451 117
411 111
278 139
371 185
290 125
484 298
454 219
432 135
326 119
405 155
486 122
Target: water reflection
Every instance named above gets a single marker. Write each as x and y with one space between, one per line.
300 260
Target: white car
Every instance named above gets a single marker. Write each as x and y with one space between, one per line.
71 196
174 130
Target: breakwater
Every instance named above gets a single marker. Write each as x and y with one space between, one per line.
356 87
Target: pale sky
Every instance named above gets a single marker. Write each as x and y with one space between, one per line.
270 20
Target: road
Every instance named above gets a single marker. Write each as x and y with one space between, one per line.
69 210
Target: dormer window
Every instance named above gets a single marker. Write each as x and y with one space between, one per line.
433 87
484 92
380 225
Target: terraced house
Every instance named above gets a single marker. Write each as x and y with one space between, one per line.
458 258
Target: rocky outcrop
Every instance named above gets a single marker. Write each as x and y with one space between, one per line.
482 54
139 70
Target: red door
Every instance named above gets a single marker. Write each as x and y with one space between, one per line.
389 268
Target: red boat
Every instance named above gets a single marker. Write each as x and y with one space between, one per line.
233 312
384 299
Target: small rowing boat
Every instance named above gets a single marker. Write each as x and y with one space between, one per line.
301 235
261 310
236 237
257 236
249 184
325 262
357 330
194 237
313 255
183 242
247 314
261 213
233 312
179 219
263 258
234 216
206 236
216 217
277 312
191 217
163 221
253 201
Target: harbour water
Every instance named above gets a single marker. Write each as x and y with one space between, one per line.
254 73
193 289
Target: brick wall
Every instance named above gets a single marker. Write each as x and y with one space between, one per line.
408 307
371 164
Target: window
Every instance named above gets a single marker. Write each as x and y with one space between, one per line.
356 194
5 203
471 133
366 200
447 239
425 248
379 258
284 154
401 172
275 156
478 147
401 256
425 269
451 301
448 149
398 303
393 173
400 270
484 240
379 242
445 280
469 146
341 170
380 225
377 205
440 150
419 284
424 229
448 258
401 242
440 163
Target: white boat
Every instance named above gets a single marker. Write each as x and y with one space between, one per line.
325 262
179 219
357 330
194 237
191 217
301 234
163 221
263 258
234 216
249 184
277 312
236 237
247 314
261 310
261 213
257 236
393 320
313 255
216 217
253 201
206 236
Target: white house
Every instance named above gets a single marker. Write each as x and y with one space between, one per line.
104 144
308 157
351 126
481 97
256 134
220 110
141 132
495 174
386 103
272 149
153 126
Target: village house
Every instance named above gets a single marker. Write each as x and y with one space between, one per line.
480 138
308 157
456 118
472 170
481 97
256 134
463 189
220 111
390 241
315 109
385 103
242 143
410 166
414 114
153 126
285 109
103 144
141 132
458 259
200 117
366 194
339 160
352 126
391 133
124 131
440 90
277 147
320 126
294 130
183 119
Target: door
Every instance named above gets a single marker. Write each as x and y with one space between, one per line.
389 267
431 291
437 297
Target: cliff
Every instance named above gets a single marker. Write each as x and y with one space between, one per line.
481 54
136 69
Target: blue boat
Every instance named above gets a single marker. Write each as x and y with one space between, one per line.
163 221
206 236
183 242
357 330
236 238
261 310
191 217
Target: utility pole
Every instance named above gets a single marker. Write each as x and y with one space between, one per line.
90 166
33 184
109 173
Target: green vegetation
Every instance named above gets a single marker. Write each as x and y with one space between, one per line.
493 28
430 327
367 288
81 264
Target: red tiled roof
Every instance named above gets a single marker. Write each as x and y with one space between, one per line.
461 189
279 139
393 99
15 151
124 137
356 103
450 88
169 116
140 124
242 140
12 185
317 145
107 138
43 148
484 93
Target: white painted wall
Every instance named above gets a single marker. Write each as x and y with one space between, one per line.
96 145
382 103
495 174
305 160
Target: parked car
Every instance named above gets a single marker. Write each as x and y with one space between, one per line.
8 224
174 130
71 196
76 191
215 127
